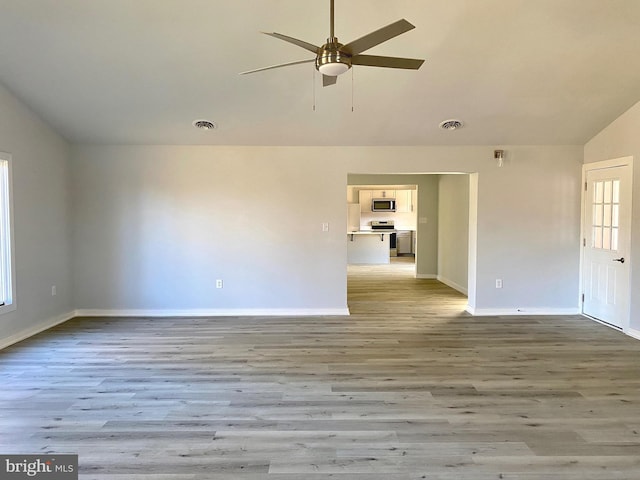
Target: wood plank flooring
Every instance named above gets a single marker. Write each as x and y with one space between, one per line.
408 387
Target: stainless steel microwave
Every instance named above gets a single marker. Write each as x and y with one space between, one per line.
383 205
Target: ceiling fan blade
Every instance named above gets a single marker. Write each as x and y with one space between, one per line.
301 43
387 62
375 38
278 66
328 80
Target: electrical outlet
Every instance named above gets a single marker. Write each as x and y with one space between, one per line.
219 283
325 227
498 283
53 291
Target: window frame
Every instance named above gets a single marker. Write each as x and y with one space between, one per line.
7 237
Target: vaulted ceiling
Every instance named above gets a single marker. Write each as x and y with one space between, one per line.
140 71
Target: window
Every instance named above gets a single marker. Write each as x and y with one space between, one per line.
7 283
606 213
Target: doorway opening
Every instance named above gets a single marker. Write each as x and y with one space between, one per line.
382 221
440 246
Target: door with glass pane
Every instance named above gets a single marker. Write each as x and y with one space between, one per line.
606 245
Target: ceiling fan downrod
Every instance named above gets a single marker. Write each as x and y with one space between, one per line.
331 60
331 21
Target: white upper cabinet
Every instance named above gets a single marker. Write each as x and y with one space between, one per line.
367 195
383 193
405 201
365 200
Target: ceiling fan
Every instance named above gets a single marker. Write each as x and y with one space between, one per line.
333 58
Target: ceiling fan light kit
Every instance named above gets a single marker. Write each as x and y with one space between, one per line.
332 61
333 58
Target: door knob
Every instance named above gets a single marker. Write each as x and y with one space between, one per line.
621 260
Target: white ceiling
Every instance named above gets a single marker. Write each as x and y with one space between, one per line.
140 71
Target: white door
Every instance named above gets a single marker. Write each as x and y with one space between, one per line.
606 243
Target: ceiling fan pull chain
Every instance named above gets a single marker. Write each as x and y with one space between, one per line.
352 90
313 83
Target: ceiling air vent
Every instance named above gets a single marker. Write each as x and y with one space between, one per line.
204 124
451 124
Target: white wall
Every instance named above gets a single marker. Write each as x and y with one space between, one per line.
155 226
41 221
453 231
621 139
529 231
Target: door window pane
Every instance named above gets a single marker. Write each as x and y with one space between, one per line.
597 237
597 215
598 192
608 191
607 216
606 238
615 215
616 191
614 239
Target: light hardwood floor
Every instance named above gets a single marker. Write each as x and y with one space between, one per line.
408 387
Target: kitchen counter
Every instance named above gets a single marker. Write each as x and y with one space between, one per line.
368 246
370 232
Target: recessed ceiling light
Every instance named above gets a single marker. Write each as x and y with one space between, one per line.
451 124
204 124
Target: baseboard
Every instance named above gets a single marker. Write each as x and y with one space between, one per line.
429 276
452 284
40 327
499 312
216 312
632 332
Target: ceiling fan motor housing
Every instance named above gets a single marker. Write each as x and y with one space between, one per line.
331 60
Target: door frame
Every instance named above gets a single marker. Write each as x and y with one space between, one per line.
472 232
587 167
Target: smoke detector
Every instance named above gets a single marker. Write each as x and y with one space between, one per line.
204 124
451 124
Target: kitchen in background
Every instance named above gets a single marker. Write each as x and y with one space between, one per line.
382 222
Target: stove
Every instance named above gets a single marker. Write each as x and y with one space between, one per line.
382 225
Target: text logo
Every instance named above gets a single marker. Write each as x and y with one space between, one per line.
49 467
